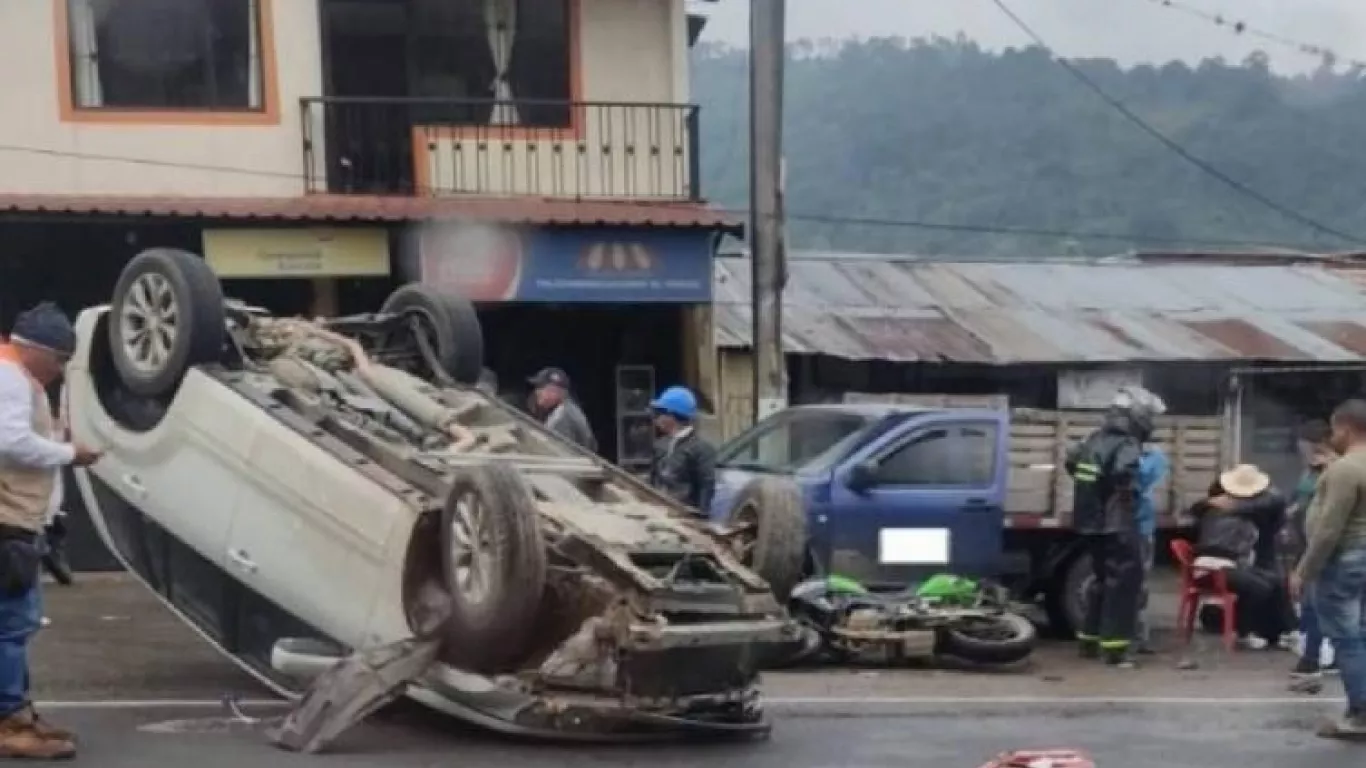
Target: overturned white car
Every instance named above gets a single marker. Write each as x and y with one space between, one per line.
301 490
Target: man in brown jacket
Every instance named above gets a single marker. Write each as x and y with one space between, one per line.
39 345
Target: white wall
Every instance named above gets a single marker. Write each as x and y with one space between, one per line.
29 92
631 50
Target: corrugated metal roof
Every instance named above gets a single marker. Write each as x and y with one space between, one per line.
888 308
375 208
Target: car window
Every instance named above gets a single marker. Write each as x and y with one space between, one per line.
977 450
948 456
794 440
922 461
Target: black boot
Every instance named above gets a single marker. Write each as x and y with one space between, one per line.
54 559
56 564
1088 649
1119 658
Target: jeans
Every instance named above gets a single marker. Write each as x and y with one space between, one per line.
1309 627
19 620
1340 600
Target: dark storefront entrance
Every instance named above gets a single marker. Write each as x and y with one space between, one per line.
605 304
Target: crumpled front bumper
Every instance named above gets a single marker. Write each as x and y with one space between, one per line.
581 717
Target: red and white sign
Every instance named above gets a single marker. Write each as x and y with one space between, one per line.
478 261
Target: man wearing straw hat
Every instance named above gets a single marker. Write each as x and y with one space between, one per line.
1239 532
1104 470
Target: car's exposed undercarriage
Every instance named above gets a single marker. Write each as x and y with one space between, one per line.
535 567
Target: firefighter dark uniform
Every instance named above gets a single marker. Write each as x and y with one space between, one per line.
1104 470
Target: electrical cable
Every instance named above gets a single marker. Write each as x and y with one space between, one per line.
1168 142
1239 27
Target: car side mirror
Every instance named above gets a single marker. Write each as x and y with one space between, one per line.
862 476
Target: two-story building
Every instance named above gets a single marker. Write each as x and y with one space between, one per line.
540 156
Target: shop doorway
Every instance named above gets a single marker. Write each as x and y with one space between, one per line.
593 344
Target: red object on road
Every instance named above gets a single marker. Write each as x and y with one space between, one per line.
1042 758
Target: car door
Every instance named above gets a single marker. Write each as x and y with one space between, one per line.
935 503
310 533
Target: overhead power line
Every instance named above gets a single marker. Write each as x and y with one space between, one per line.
814 218
1168 142
1243 29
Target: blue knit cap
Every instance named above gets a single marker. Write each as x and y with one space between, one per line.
45 326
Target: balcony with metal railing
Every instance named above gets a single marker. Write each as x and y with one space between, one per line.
579 150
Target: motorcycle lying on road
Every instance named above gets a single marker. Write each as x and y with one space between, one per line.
844 622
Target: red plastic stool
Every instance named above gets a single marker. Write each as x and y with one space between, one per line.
1198 586
1042 758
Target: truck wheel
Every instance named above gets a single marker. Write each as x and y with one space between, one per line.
494 566
166 316
770 523
452 326
1002 639
1065 601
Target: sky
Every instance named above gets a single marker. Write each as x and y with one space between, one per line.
1130 31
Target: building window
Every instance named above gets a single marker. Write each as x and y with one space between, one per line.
166 54
509 60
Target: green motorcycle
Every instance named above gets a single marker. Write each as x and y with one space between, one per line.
946 615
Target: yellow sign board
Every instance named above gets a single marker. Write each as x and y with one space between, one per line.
291 253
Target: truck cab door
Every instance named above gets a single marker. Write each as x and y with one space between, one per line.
927 499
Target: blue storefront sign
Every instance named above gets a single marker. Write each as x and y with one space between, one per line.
580 265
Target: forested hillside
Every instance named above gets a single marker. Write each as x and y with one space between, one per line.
941 131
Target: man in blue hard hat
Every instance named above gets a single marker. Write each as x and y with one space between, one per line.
684 465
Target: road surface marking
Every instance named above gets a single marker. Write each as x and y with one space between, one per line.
1061 701
160 704
802 701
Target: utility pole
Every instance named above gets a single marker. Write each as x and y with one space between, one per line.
768 255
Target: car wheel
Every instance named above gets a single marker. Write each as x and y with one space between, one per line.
769 521
494 567
166 316
1065 601
451 326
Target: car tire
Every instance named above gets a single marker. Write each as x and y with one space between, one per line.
495 601
1065 601
772 509
456 335
166 316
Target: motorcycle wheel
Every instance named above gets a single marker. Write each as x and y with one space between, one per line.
808 649
1002 639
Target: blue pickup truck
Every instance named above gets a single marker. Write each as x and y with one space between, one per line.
893 493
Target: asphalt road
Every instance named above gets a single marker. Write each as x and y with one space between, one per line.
1171 736
122 672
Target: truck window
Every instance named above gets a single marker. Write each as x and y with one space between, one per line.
795 440
948 456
